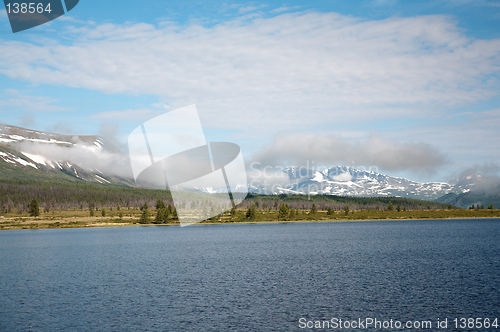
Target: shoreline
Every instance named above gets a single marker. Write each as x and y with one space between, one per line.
49 224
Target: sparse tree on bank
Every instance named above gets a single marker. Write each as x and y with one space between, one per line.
251 212
144 219
34 208
314 210
283 212
160 204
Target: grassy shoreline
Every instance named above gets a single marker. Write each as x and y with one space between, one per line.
81 219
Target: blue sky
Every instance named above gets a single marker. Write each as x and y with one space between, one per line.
411 87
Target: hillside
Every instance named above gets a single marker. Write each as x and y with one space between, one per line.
16 195
30 155
472 198
34 155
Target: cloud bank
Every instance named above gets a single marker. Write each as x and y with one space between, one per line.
306 149
260 72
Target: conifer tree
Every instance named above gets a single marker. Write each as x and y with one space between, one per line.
160 204
313 209
283 212
329 211
144 219
251 212
34 208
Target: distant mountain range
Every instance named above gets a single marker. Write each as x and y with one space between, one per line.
349 181
35 155
344 180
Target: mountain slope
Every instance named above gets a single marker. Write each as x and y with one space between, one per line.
34 155
344 180
30 154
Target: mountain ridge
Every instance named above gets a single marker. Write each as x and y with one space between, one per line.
30 154
346 180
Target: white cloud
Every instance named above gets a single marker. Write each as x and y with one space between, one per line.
308 149
12 99
468 138
291 70
131 115
242 9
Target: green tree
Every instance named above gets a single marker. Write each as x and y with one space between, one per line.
34 208
330 211
144 219
103 212
292 214
161 216
346 210
284 212
490 207
390 207
160 204
313 209
251 212
398 208
233 211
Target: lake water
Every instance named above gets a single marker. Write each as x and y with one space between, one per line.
258 277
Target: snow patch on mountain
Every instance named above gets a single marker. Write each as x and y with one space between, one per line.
13 159
344 180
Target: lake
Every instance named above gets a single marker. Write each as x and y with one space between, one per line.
250 277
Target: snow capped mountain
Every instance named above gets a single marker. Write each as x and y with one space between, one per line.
66 157
31 154
344 180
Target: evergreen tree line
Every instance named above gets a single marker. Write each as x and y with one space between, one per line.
164 213
16 196
338 203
